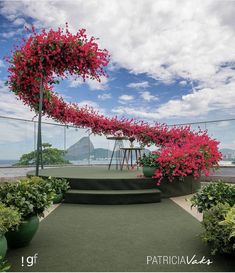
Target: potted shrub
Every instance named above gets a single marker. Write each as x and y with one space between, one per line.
45 185
9 219
149 164
59 186
31 199
219 229
55 187
212 194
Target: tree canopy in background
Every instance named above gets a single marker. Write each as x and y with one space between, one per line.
50 155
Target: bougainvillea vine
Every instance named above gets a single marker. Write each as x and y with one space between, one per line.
56 54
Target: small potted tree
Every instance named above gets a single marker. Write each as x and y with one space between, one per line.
31 199
9 219
149 164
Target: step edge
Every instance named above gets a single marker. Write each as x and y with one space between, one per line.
117 192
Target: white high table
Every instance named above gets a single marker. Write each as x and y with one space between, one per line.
118 144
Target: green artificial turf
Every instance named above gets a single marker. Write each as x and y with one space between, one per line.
117 238
89 172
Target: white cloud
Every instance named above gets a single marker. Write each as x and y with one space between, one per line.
19 21
224 124
92 84
183 83
8 34
178 39
147 96
15 131
66 98
191 105
139 112
113 66
95 85
92 104
75 82
10 106
105 96
2 63
126 98
137 85
88 103
200 102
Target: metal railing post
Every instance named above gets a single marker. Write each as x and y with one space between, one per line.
39 139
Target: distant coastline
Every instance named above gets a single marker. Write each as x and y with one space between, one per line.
226 163
11 162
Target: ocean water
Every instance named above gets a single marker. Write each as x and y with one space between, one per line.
11 162
7 163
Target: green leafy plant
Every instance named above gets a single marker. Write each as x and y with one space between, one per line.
28 195
218 229
229 221
58 185
4 265
42 183
9 218
50 156
148 160
212 194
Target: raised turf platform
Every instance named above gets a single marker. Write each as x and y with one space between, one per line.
98 185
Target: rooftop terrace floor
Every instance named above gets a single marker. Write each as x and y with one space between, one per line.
118 238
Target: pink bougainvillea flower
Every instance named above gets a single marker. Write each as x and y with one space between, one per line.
54 54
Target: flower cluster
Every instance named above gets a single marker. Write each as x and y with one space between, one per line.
48 56
44 57
193 156
131 138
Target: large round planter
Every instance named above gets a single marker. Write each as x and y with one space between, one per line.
24 234
148 171
179 187
58 198
3 247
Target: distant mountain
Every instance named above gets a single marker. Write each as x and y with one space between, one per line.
80 150
84 148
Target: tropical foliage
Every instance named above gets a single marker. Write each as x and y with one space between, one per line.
28 196
219 228
212 194
149 160
58 185
9 218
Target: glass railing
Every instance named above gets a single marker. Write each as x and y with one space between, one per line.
224 132
18 137
18 142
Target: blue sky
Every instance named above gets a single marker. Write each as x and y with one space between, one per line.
172 61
